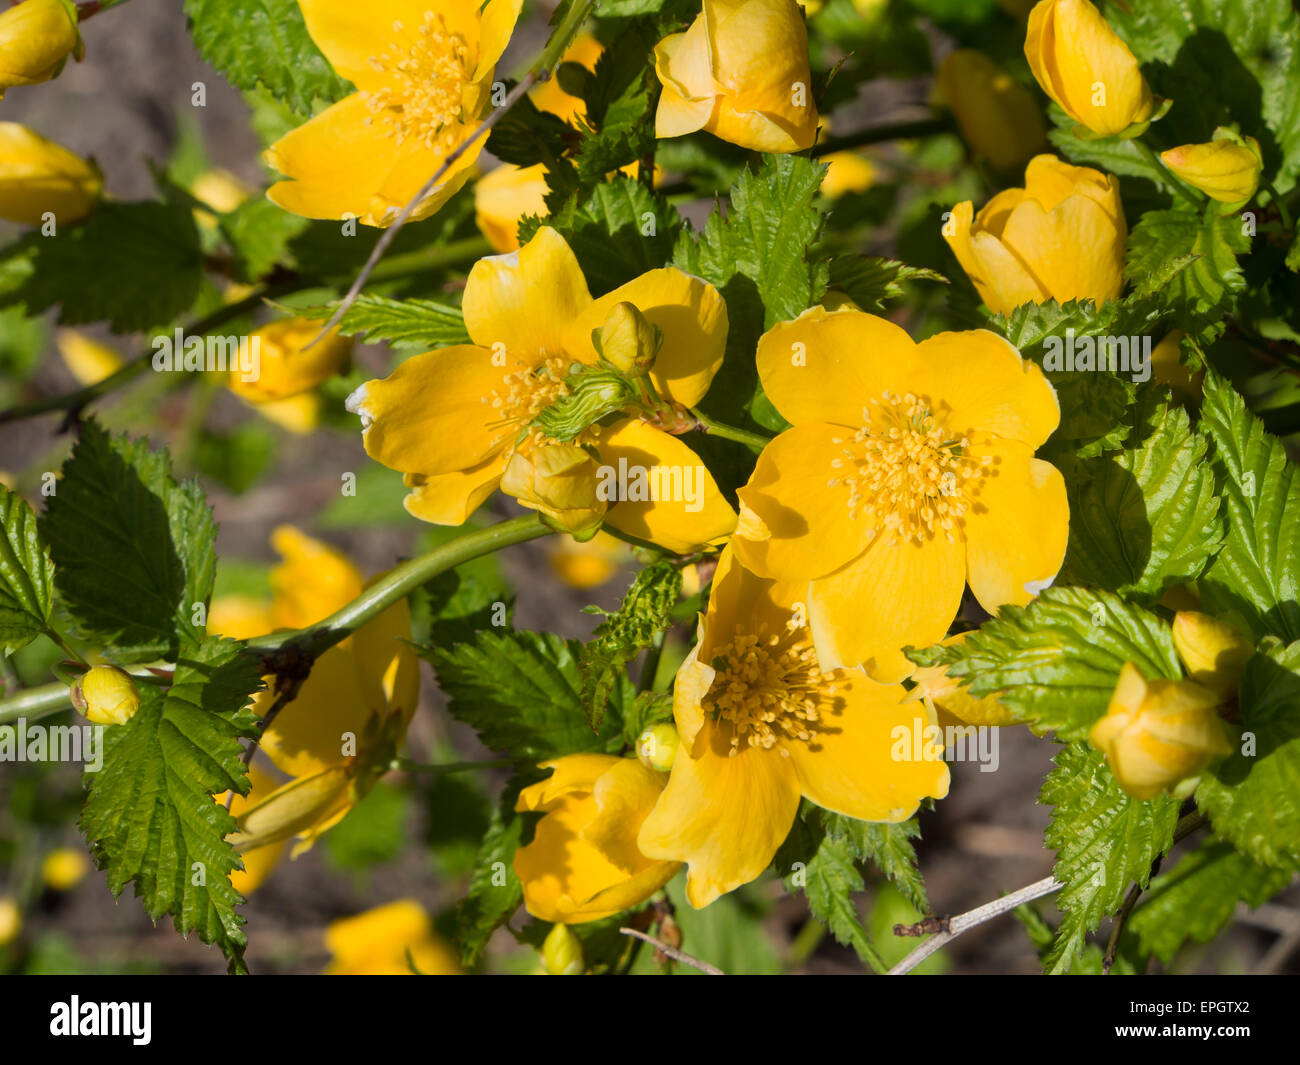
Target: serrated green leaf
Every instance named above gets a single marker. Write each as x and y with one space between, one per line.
520 690
1198 897
874 283
1253 796
887 846
409 321
494 891
26 575
265 44
1145 519
1054 663
831 880
621 97
259 233
135 265
132 549
1105 840
151 817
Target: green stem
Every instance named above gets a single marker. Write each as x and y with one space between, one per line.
1168 176
35 703
1281 207
396 584
754 441
650 667
563 36
437 257
806 942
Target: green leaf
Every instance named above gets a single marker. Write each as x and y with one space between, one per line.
135 265
621 98
644 614
423 323
873 283
831 880
132 548
729 933
1253 796
1198 897
1145 519
259 234
26 575
1105 840
150 816
265 44
887 846
1054 663
520 690
375 830
1257 573
1207 246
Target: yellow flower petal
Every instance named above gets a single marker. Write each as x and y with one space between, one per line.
892 595
258 861
504 196
679 524
1017 531
689 313
526 300
450 498
300 806
572 773
308 735
314 580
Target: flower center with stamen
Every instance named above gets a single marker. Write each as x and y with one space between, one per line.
524 394
424 81
905 473
769 689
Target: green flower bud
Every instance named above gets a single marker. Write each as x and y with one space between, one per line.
628 342
656 747
562 952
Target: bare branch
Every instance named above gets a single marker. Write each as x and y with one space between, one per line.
673 952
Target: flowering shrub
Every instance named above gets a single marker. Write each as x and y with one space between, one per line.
899 378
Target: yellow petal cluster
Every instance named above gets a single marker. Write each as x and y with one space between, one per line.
39 177
1226 169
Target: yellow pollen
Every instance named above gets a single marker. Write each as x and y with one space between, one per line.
524 394
905 473
769 690
421 96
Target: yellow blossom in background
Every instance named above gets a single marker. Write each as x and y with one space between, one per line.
1214 650
220 190
562 483
505 195
387 941
1167 367
550 94
87 360
741 72
239 617
1159 734
258 861
952 696
285 366
762 725
588 564
1062 237
38 177
1084 66
64 868
451 419
424 71
849 172
36 38
583 863
908 473
998 118
11 920
1226 169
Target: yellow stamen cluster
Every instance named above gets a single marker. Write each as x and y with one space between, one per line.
524 394
425 81
905 473
769 689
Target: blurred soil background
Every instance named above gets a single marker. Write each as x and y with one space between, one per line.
121 105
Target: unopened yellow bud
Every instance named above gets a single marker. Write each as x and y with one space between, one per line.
998 118
39 178
562 952
11 920
283 361
36 38
1158 735
1214 650
106 695
561 482
63 869
1226 169
656 747
628 341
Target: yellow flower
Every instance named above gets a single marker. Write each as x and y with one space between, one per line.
1061 237
1158 734
239 617
1168 369
295 414
106 695
741 72
337 736
258 861
1082 64
560 481
583 863
284 366
1214 650
761 725
424 72
849 172
551 96
503 197
11 920
451 419
387 941
1226 169
87 360
36 38
953 696
64 869
998 118
38 177
220 190
588 564
909 472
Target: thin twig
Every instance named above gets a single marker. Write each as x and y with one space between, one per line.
673 952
